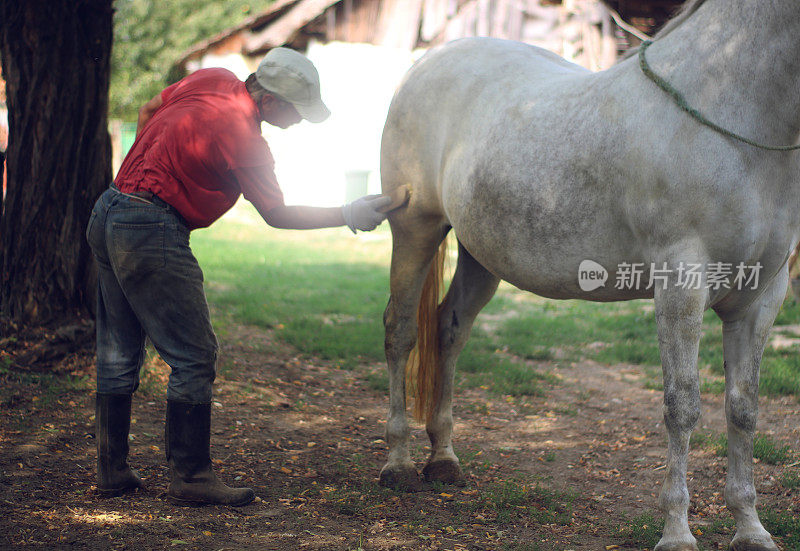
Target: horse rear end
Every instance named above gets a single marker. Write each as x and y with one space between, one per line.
429 139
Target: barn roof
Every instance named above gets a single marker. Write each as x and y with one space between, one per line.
402 23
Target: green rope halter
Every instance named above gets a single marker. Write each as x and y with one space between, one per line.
694 113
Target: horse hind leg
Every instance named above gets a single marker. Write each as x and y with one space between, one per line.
743 342
472 287
414 246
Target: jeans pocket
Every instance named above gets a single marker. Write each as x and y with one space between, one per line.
139 248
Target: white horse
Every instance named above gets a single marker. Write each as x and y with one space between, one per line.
538 165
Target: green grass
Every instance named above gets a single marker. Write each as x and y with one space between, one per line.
767 450
513 499
764 448
782 524
46 388
790 479
643 531
325 291
378 380
718 444
521 546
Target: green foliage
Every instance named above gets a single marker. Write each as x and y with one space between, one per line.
151 35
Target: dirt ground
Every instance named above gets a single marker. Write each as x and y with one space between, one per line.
579 467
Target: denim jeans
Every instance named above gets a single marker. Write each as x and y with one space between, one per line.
149 283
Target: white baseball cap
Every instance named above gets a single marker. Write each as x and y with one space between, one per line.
292 77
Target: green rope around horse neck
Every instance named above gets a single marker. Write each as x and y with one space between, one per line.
694 113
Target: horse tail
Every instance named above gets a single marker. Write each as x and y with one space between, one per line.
423 376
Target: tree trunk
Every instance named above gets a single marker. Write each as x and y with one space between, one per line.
55 59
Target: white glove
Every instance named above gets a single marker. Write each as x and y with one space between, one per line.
362 214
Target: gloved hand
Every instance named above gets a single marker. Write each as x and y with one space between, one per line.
362 214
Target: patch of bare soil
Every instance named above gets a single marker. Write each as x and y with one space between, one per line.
567 470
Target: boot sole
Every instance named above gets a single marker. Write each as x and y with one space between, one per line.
182 502
116 492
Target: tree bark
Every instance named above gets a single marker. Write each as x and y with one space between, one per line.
56 63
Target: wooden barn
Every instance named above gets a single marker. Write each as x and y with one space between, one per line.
363 47
594 31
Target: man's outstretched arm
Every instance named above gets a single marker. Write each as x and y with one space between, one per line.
298 217
362 214
260 188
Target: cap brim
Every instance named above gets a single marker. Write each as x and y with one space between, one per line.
314 112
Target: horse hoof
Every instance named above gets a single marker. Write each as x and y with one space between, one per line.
400 479
753 543
677 545
445 471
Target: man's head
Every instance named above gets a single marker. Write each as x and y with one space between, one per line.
285 86
271 108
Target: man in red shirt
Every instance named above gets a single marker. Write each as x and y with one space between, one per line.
198 147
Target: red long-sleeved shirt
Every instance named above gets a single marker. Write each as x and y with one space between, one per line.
201 149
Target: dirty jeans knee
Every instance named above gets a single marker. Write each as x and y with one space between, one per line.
117 378
120 346
192 382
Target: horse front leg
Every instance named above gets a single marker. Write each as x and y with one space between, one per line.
679 317
472 287
743 341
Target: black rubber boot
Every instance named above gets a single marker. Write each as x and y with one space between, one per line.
112 423
193 482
